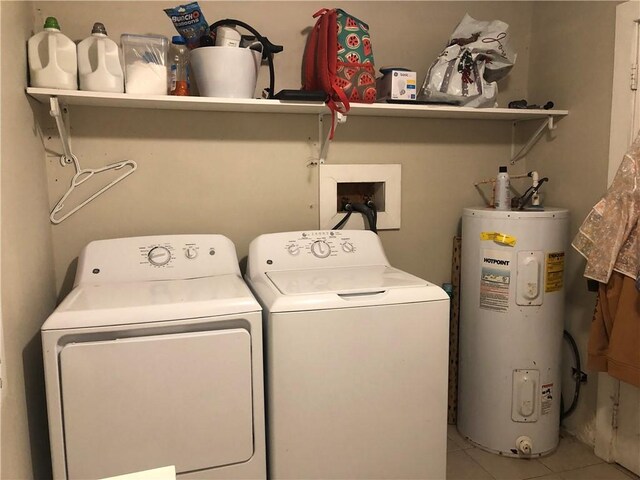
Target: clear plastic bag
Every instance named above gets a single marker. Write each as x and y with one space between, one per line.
145 64
466 72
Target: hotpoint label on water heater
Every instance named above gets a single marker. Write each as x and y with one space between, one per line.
547 398
495 279
554 272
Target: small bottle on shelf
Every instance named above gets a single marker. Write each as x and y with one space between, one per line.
179 65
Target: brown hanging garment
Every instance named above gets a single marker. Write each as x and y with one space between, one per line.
614 340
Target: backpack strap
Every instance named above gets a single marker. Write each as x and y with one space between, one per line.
310 55
320 63
329 40
324 63
322 11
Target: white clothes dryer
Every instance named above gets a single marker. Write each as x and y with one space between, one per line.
155 359
356 359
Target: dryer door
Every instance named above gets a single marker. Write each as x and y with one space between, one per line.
145 402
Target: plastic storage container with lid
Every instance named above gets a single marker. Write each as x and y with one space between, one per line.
99 62
53 61
145 63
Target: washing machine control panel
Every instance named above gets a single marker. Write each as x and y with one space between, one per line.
313 249
169 257
320 244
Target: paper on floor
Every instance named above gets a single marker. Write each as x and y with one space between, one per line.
162 473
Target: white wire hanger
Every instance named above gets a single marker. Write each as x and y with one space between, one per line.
81 175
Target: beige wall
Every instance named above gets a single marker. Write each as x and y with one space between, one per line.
572 64
246 174
28 294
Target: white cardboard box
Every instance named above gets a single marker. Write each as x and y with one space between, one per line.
397 85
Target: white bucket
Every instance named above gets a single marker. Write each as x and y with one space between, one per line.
228 72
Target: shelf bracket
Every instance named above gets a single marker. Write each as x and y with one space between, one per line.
57 113
324 133
547 124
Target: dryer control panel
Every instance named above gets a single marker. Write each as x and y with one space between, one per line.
169 257
315 248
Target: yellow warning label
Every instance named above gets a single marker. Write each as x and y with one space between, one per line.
501 238
554 272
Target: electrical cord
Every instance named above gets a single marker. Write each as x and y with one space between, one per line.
268 49
577 376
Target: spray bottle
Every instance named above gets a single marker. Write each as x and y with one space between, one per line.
502 192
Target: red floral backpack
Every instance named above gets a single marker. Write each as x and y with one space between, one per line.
338 60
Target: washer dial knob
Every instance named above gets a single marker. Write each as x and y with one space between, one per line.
159 256
190 252
348 247
293 249
320 249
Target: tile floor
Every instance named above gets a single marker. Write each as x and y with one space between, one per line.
572 460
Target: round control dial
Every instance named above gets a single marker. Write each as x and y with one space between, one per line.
159 256
293 249
320 249
190 252
348 247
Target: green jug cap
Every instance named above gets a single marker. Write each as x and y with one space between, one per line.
51 22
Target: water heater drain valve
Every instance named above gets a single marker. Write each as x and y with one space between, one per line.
524 445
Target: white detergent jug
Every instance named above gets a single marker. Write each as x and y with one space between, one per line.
53 62
99 62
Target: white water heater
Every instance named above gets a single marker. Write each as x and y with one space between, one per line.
511 324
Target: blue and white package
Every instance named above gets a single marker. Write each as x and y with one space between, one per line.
189 22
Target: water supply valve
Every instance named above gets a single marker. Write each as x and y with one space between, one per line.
524 445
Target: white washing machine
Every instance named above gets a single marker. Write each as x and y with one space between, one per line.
356 359
155 359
